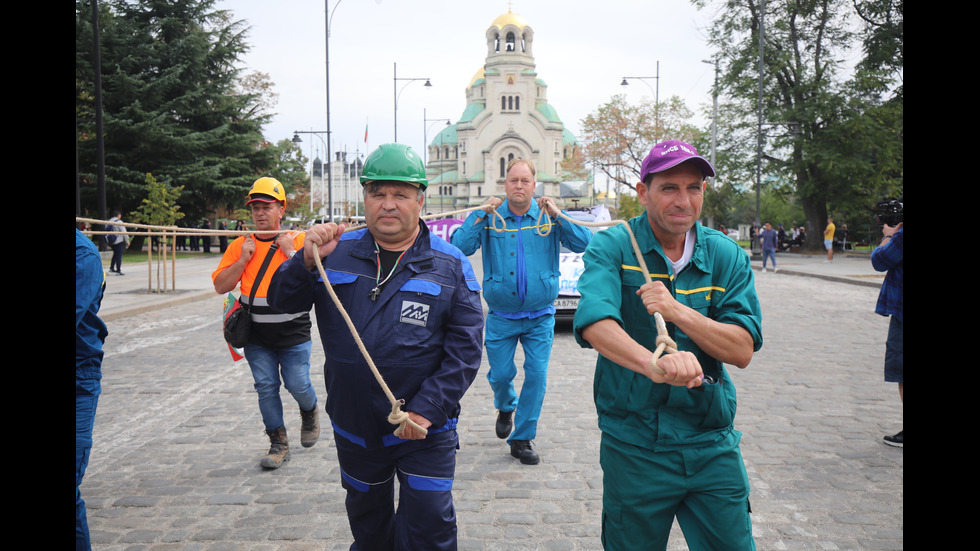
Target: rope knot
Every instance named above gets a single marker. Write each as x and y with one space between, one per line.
398 416
668 344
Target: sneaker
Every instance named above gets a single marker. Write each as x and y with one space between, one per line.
775 269
505 423
896 440
763 270
522 450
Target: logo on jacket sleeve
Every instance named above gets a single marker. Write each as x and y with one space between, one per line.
415 313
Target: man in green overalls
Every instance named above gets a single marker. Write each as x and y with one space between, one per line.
669 448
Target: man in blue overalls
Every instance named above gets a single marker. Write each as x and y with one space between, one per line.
415 304
520 279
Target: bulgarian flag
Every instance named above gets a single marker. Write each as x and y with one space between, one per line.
365 132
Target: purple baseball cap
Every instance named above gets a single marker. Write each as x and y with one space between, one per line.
671 153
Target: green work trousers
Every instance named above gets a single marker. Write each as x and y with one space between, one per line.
705 488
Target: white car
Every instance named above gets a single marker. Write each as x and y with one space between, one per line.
571 267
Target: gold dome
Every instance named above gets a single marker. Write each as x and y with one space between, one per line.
509 19
479 74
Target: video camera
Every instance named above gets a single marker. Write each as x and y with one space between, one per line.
890 212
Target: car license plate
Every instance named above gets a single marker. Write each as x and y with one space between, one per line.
562 303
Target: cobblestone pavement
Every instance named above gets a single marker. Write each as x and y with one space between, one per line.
178 437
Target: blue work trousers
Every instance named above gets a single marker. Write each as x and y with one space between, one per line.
535 336
293 365
88 386
426 517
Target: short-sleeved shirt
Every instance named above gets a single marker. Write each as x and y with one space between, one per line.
271 328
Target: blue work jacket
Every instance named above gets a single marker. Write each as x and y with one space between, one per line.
423 332
503 259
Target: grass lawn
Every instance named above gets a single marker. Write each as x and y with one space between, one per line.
140 256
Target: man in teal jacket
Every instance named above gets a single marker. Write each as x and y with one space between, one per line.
520 285
669 447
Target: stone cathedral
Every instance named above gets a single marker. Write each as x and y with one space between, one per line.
507 116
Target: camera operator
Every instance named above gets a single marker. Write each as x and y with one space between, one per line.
889 258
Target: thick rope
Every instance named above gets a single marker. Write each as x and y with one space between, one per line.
664 342
397 415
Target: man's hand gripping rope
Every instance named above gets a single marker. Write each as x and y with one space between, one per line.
665 344
398 416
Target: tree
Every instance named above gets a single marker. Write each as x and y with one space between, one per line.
619 135
823 127
158 208
173 103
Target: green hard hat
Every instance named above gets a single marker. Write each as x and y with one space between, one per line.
397 162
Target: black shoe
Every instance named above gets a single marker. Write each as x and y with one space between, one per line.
897 440
505 423
522 450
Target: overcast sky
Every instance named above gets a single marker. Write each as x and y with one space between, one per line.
582 50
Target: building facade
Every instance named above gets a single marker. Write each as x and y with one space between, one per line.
347 196
507 116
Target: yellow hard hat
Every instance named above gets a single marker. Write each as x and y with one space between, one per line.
267 190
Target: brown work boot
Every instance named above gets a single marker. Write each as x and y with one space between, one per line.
279 451
310 430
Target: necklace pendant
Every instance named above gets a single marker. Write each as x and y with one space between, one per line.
374 294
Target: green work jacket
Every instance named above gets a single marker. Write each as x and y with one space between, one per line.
717 282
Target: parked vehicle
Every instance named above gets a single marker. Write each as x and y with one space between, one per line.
571 267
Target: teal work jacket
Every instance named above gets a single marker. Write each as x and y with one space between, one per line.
717 282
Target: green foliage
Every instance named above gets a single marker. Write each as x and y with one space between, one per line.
619 135
159 207
288 166
827 129
629 207
175 103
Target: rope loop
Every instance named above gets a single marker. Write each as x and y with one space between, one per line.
664 342
397 416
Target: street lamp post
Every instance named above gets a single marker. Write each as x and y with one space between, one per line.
328 16
656 93
714 114
425 148
756 246
397 93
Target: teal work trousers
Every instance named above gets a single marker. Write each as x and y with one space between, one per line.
706 489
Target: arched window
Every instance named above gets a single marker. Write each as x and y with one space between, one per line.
510 42
503 167
503 103
517 103
446 151
510 102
